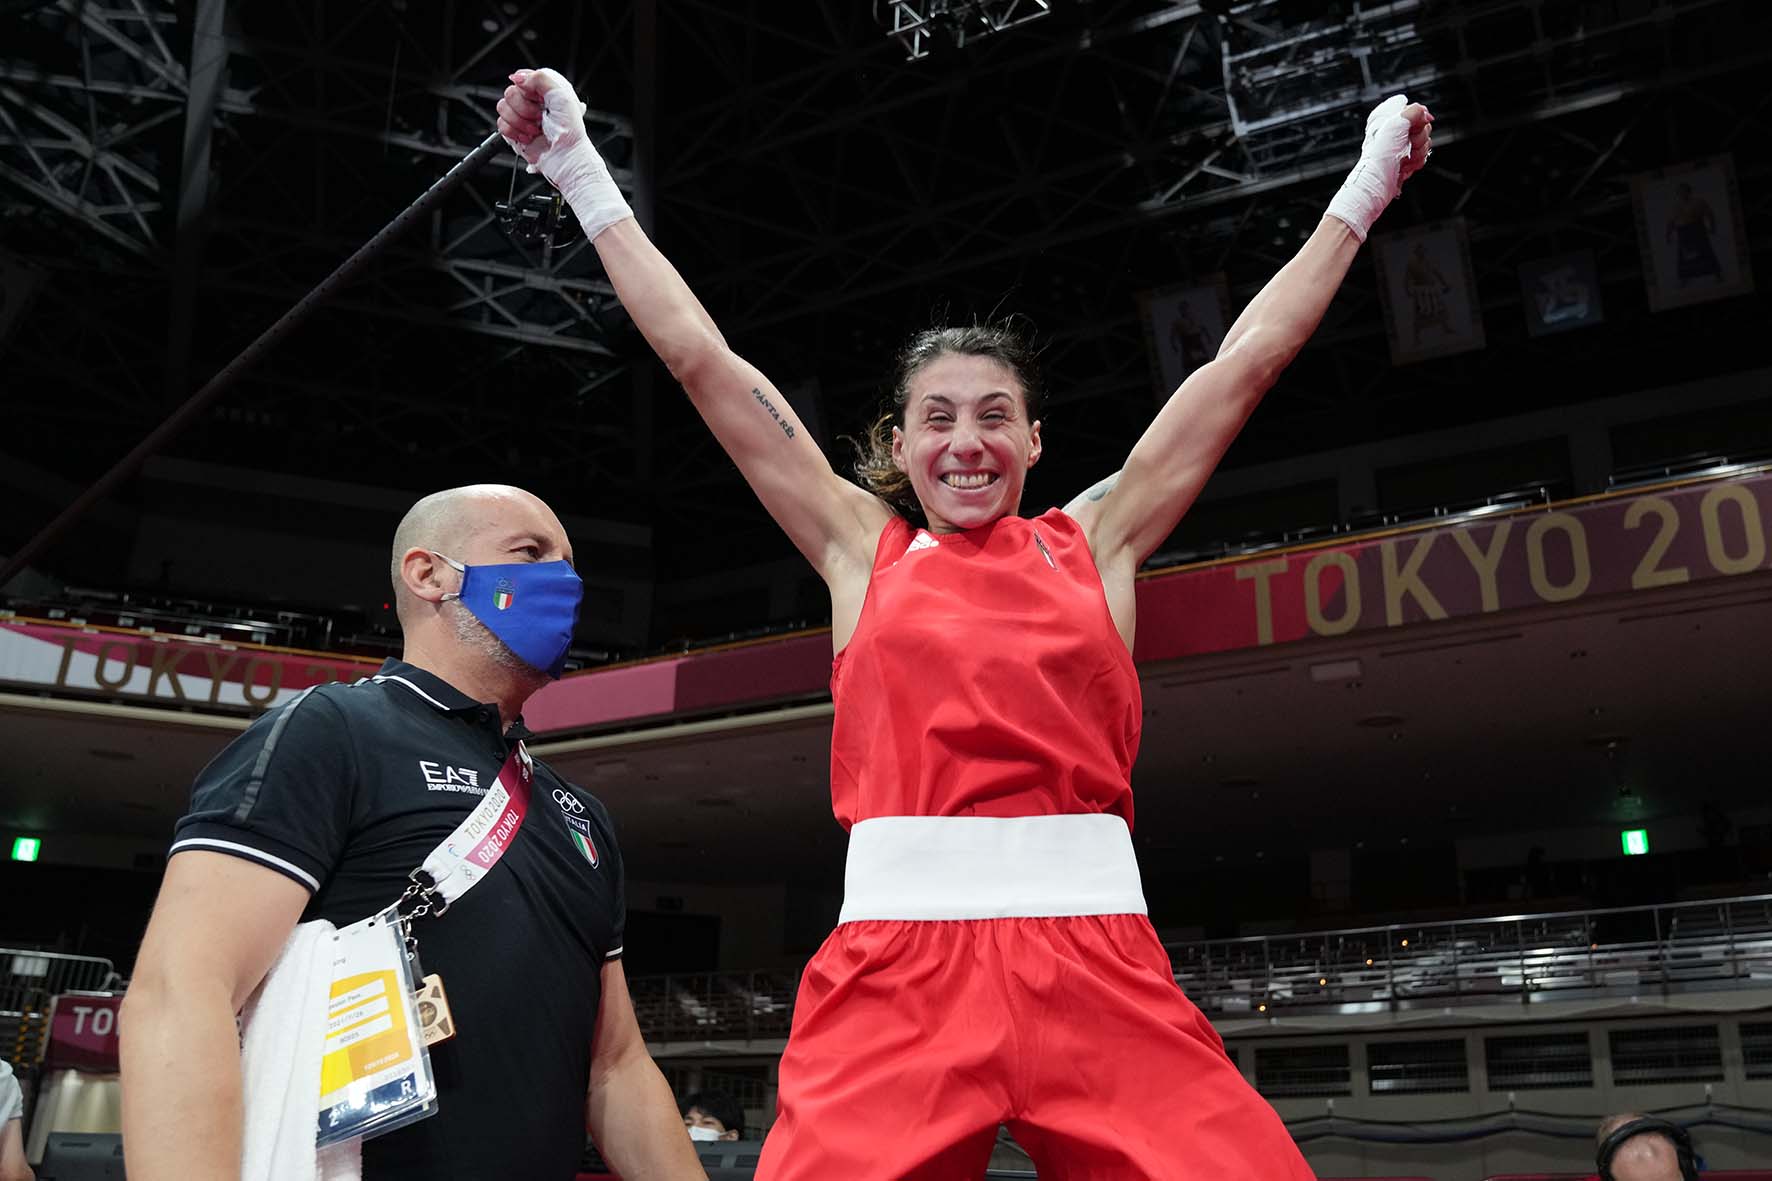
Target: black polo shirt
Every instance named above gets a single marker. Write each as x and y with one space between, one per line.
345 789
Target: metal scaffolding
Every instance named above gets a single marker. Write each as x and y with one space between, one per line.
920 25
178 182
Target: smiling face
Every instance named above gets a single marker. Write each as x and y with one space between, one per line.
966 444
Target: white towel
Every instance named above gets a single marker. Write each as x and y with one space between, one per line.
285 1029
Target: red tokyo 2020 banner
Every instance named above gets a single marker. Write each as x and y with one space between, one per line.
1612 545
83 1032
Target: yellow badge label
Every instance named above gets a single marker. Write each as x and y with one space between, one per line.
365 1030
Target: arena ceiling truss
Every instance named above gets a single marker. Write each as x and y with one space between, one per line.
828 175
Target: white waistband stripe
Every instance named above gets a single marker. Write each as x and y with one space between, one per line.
988 867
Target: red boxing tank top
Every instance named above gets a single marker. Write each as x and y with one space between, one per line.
985 678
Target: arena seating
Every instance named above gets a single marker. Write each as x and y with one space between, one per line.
1690 945
714 1005
180 616
82 1156
346 630
1699 944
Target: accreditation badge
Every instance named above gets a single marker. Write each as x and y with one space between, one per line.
375 1073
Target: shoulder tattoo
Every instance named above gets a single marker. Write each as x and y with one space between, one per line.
1100 490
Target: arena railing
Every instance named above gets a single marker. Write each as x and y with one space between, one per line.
344 631
1684 946
29 980
714 1006
181 616
1697 465
1668 948
1527 495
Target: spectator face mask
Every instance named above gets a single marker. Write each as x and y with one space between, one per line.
530 606
696 1133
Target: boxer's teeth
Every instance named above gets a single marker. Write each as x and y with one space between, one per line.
969 479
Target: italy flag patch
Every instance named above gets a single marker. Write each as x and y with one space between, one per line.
579 829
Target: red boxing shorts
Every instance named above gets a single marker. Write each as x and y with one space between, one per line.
913 1039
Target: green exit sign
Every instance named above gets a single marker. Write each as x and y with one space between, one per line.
1635 841
26 848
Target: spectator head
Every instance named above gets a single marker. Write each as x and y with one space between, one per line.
1637 1147
713 1115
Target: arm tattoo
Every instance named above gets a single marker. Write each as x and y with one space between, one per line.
1100 491
787 428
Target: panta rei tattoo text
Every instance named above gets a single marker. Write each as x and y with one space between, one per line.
787 428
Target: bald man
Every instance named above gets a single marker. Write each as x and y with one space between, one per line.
322 809
1648 1155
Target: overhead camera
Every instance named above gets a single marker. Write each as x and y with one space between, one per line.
540 219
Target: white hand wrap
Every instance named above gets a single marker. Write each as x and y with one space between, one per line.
573 166
1377 178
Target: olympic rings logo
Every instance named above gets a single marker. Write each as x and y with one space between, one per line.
567 801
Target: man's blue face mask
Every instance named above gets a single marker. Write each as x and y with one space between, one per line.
530 606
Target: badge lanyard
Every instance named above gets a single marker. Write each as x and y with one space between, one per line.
457 865
469 853
383 1013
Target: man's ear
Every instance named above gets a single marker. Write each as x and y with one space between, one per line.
424 575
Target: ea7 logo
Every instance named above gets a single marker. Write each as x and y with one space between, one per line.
442 777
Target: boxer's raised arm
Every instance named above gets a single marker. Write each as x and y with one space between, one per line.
1128 516
832 521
